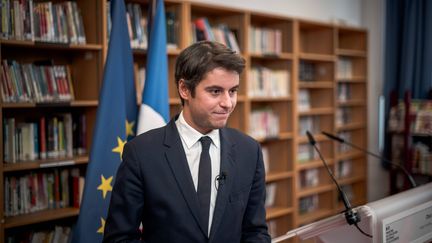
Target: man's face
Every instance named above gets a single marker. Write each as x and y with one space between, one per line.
215 99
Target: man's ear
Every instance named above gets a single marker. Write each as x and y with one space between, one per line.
184 92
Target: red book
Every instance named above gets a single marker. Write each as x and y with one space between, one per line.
42 139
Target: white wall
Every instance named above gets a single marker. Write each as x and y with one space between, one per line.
362 13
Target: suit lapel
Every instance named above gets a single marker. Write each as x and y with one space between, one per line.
227 167
178 163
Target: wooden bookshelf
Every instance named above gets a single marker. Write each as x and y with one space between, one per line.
296 45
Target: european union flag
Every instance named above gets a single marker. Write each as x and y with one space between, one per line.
115 122
154 111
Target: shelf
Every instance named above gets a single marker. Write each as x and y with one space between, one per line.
351 126
318 138
361 80
281 136
351 53
317 111
351 179
316 84
303 192
49 45
30 165
277 176
352 103
314 216
270 99
276 212
77 103
276 56
38 217
313 164
317 57
350 155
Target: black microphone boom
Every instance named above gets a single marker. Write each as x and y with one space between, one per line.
343 141
351 216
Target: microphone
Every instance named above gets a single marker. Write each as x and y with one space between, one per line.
221 178
343 141
351 216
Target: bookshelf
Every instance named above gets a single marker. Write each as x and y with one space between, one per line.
289 61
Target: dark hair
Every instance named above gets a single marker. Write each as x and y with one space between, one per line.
202 57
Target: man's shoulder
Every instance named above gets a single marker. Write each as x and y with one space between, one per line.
153 136
238 136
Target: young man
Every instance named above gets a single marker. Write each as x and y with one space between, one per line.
193 180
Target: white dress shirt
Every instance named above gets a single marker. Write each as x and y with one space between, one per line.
192 147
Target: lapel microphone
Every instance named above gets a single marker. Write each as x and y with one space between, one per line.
343 141
221 178
351 215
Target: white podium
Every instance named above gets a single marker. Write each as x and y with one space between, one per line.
401 218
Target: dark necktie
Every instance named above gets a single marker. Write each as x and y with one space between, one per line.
204 181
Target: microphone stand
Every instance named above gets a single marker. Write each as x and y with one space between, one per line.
341 140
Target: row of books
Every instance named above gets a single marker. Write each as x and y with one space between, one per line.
420 117
264 40
37 191
422 159
344 168
42 21
344 92
304 100
307 71
309 123
264 124
266 82
343 115
202 30
344 68
51 137
343 147
306 153
308 178
137 25
308 204
41 81
58 234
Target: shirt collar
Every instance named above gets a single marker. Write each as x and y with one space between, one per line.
191 136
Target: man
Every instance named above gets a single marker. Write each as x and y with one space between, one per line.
186 188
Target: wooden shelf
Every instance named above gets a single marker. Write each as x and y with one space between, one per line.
316 84
76 103
276 212
313 164
276 56
351 53
317 57
30 165
351 126
317 111
318 138
352 103
38 217
303 192
270 99
276 176
51 46
143 52
361 80
350 155
351 179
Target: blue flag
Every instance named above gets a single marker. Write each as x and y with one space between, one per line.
115 122
154 111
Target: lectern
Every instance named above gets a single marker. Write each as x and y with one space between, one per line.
403 217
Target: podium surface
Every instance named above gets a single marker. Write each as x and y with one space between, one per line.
400 218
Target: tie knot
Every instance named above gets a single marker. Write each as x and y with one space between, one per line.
205 142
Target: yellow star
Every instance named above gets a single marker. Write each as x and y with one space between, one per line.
102 228
129 128
119 148
105 185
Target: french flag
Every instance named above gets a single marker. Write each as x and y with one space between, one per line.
154 110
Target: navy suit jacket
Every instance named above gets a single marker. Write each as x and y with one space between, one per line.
154 186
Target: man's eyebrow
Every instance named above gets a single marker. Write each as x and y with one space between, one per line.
220 87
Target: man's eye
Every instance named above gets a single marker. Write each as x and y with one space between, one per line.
215 91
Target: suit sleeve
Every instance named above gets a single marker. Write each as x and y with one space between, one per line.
254 227
127 201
